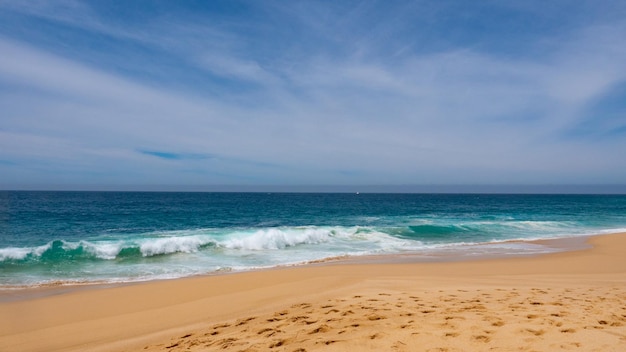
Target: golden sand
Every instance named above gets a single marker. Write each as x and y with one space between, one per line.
566 301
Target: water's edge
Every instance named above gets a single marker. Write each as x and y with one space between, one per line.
554 245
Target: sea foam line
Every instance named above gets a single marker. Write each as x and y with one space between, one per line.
266 239
355 238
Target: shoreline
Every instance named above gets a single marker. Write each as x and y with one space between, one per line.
555 245
134 316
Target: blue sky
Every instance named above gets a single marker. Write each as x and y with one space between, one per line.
193 93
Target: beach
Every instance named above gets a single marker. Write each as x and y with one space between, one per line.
572 300
299 176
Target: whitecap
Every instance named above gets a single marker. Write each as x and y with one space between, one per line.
169 245
12 253
277 238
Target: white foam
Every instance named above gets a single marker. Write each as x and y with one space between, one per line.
14 253
168 245
610 231
277 238
537 225
351 240
38 251
104 250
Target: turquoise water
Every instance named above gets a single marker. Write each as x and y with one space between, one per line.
77 237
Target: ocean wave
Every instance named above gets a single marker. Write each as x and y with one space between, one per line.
355 239
450 229
12 253
172 254
169 245
431 230
281 238
166 243
59 250
345 239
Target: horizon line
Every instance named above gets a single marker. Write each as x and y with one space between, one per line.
411 188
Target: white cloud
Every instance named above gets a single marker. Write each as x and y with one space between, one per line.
233 67
456 116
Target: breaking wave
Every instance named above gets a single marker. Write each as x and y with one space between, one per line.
144 246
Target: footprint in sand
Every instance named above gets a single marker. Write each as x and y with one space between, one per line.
244 321
535 332
278 343
320 329
482 338
374 317
498 323
301 305
227 343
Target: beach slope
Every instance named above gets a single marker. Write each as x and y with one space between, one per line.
566 301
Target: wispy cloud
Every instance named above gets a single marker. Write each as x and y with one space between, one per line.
176 156
302 92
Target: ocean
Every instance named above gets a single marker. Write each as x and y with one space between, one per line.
52 238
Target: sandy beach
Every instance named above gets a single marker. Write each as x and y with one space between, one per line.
566 301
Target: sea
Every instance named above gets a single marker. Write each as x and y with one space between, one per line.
75 238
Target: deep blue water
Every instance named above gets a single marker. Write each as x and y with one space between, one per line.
48 237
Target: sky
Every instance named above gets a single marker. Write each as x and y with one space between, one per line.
123 94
